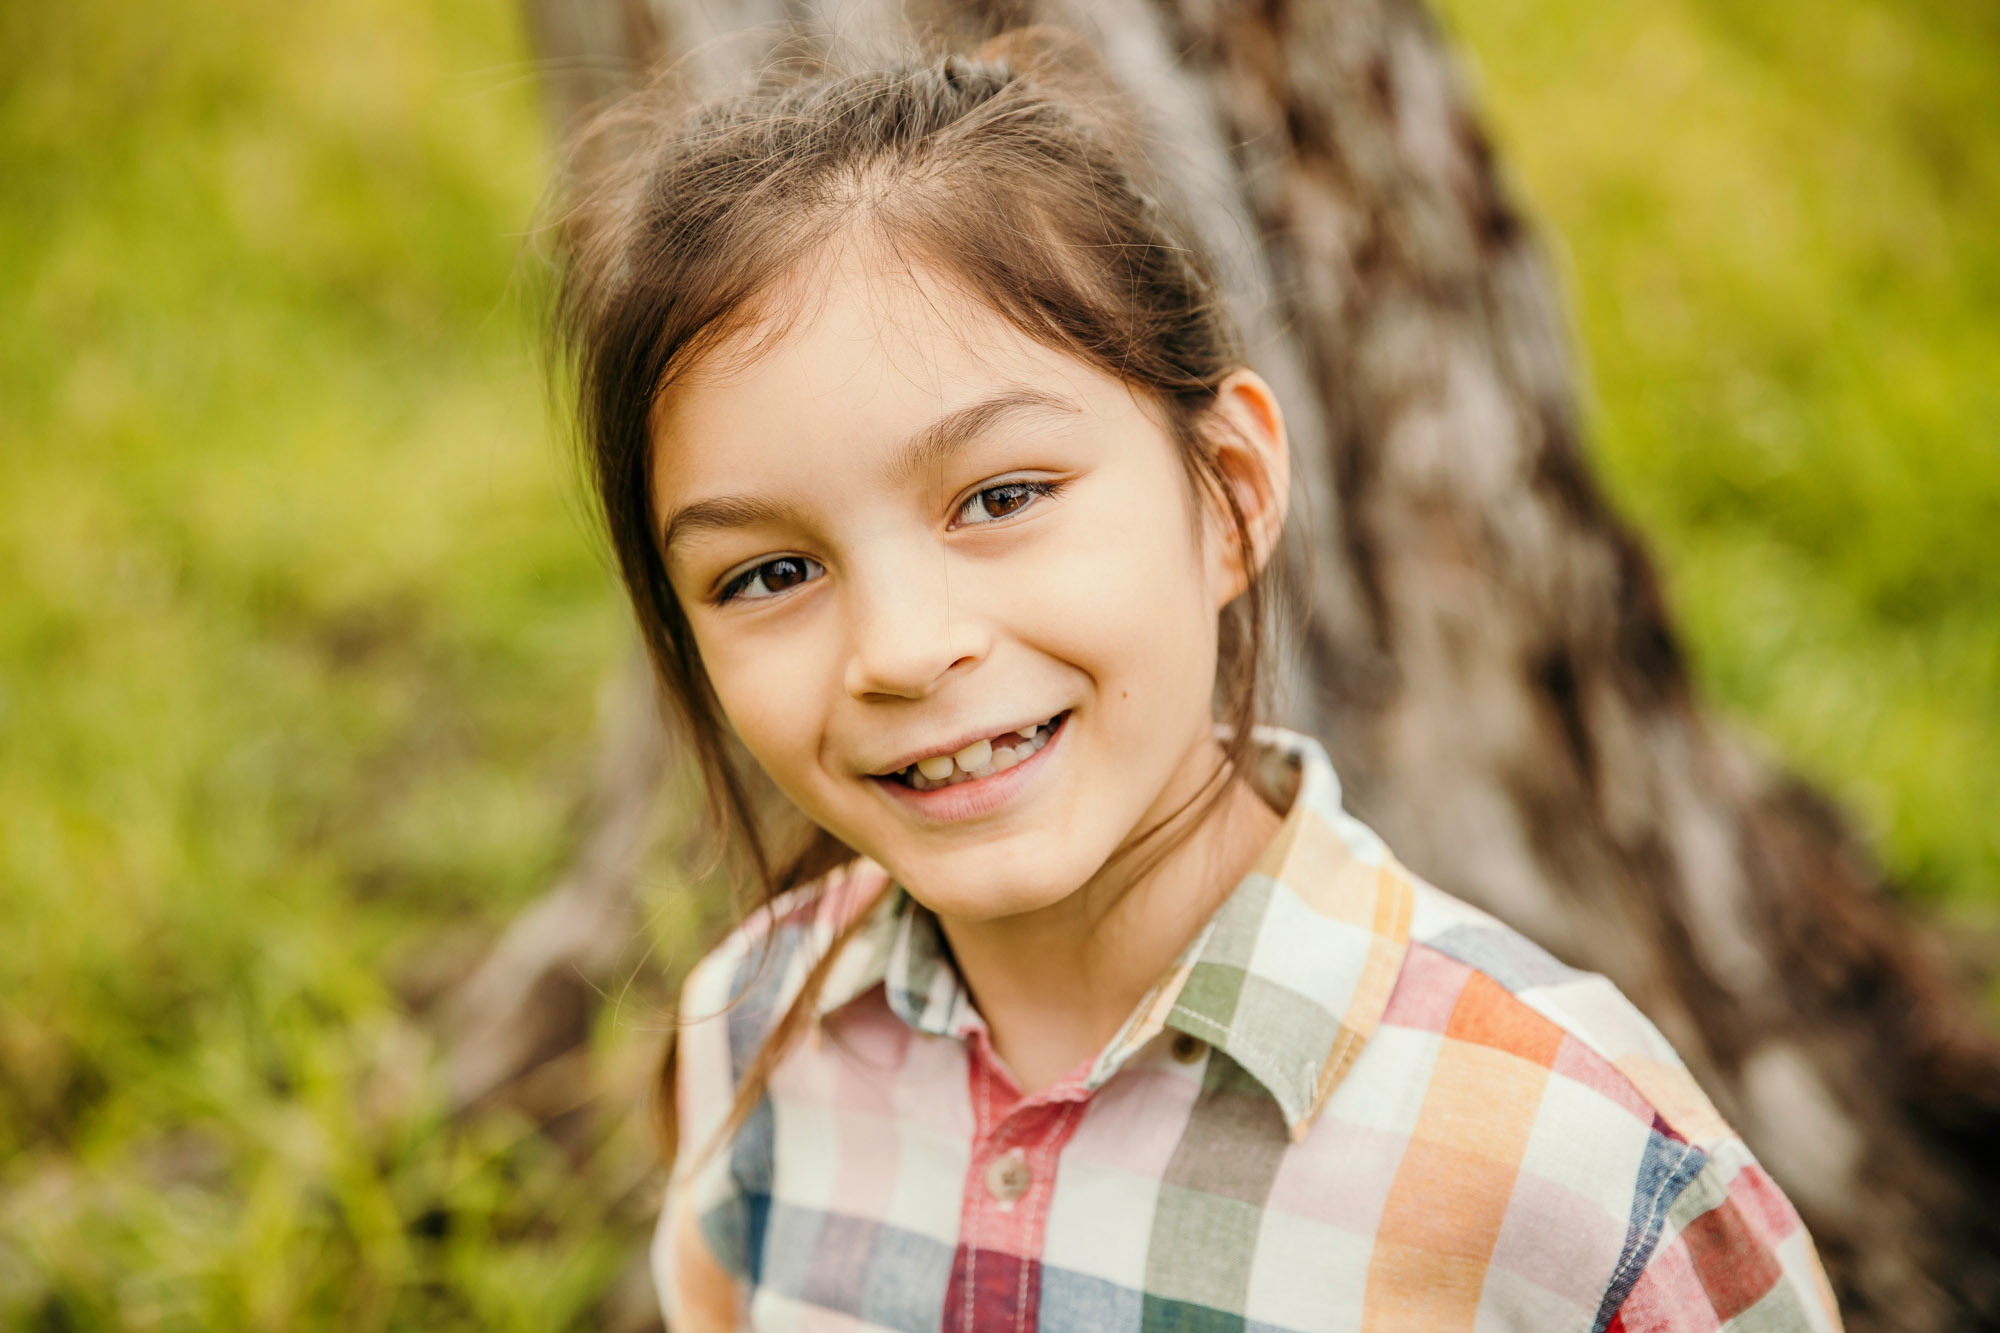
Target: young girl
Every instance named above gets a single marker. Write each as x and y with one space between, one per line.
942 493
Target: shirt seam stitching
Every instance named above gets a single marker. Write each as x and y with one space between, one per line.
1687 1150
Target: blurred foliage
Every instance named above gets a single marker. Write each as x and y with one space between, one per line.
300 637
300 632
1782 231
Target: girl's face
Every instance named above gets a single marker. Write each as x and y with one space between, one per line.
953 588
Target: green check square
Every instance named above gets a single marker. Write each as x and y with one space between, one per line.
1201 1249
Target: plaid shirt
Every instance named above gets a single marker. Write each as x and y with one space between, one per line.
1353 1103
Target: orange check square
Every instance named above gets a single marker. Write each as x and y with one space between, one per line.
1489 1016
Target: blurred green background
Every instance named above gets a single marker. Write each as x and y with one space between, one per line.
301 632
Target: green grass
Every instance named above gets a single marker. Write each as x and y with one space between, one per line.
300 644
1777 227
300 635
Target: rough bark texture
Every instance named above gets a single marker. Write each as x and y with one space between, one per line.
1484 643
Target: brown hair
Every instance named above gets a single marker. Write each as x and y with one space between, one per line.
1008 173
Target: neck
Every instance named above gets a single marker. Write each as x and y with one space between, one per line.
1055 985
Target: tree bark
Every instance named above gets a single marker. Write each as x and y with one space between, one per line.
1482 642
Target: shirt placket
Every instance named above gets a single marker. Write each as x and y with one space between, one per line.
1004 1203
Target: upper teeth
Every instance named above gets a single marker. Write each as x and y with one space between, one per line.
982 758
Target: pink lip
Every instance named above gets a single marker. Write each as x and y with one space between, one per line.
969 800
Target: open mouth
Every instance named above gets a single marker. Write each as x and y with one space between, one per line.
980 759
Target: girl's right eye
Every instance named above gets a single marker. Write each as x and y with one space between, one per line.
770 578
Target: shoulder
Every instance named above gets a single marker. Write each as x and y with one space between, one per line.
717 1201
1509 993
1611 1142
742 987
748 978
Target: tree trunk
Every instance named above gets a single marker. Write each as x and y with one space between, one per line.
1484 643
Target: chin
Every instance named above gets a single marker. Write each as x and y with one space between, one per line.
968 894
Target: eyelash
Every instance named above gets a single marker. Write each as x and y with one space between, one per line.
1037 490
735 589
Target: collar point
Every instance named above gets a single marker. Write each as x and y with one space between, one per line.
1299 1124
1299 1106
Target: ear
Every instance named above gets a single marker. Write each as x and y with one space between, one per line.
1254 462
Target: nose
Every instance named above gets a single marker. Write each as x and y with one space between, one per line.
908 633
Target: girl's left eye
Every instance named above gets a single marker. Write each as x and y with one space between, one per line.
771 578
1003 501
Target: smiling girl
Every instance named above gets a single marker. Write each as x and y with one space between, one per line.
943 495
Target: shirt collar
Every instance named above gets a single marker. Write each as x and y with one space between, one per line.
1288 978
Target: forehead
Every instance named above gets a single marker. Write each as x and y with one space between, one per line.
848 358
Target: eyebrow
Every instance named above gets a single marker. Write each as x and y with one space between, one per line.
936 442
927 449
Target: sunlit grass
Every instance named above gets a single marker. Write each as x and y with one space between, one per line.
1777 230
298 657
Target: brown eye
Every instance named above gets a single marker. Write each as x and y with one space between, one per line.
771 578
782 574
1002 501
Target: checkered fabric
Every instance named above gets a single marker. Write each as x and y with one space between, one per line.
1354 1103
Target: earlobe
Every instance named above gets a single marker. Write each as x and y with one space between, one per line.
1253 459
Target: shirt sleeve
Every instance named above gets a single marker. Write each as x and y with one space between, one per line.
697 1294
1732 1257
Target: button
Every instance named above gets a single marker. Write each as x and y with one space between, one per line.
1188 1049
1008 1177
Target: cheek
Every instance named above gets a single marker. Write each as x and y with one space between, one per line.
770 701
1126 593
